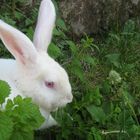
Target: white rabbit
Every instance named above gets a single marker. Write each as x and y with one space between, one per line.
34 73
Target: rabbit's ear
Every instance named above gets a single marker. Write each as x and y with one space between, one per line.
45 25
17 43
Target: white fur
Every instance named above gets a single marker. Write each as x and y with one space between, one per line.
47 11
33 66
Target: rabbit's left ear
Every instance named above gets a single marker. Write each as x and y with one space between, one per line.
18 44
45 25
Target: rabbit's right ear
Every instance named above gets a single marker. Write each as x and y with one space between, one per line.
45 25
17 43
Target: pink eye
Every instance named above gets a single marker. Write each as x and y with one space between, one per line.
49 84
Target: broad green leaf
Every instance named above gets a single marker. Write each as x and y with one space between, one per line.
114 59
57 32
78 73
4 91
108 107
72 46
128 98
90 60
96 113
54 50
18 15
61 24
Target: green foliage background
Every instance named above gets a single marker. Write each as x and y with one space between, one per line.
104 75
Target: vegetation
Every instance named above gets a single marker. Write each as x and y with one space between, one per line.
19 118
104 76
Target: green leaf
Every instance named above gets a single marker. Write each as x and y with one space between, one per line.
9 105
93 96
90 60
96 113
94 134
129 26
114 59
90 137
106 88
28 22
77 70
18 15
54 50
57 32
6 126
76 63
29 32
115 37
4 91
78 73
18 100
27 113
72 46
25 116
61 24
21 135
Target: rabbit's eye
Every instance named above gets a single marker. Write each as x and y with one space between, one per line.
49 84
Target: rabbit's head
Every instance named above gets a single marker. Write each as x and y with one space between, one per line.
38 75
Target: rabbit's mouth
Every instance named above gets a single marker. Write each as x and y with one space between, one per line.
61 103
55 109
56 106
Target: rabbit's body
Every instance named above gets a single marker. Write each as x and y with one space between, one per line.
7 73
34 73
7 69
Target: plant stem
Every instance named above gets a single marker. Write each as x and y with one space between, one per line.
114 132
